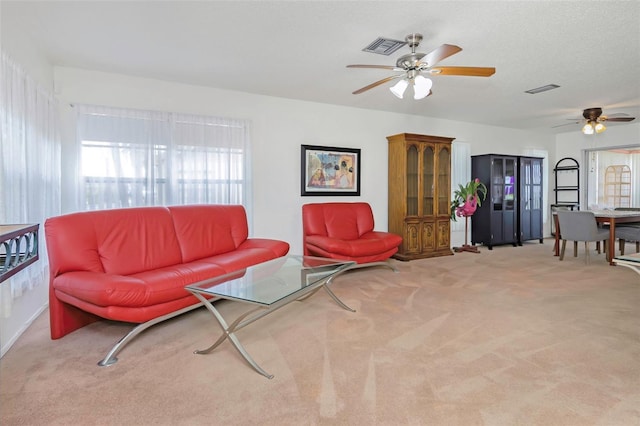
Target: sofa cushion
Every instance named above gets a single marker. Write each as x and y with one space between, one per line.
201 237
372 243
141 289
251 252
346 221
117 241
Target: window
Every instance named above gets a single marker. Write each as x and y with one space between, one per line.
133 158
612 176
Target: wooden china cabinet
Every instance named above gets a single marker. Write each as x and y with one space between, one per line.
419 194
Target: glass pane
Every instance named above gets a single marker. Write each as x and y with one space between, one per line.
537 197
526 172
509 183
537 173
497 184
427 181
412 181
444 162
526 205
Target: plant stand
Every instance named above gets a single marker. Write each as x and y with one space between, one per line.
466 247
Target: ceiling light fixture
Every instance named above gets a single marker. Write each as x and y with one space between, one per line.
421 87
593 127
588 128
600 128
399 88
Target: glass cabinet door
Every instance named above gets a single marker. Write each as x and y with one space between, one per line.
427 181
531 184
444 160
412 181
497 183
525 185
509 183
536 183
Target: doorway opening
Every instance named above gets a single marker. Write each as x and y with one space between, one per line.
612 177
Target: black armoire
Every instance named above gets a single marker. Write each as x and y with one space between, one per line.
512 211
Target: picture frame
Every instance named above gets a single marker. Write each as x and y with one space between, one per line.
329 171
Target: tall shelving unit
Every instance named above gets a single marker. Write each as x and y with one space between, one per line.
567 179
567 187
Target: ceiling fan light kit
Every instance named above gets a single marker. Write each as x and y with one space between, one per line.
421 87
592 127
399 88
595 120
413 64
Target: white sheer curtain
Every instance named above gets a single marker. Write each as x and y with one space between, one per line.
460 173
29 169
139 158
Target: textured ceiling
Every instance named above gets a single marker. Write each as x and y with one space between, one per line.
299 50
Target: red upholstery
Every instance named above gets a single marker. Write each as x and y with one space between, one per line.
133 264
345 231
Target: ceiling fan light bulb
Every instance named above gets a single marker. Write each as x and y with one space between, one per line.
421 87
587 129
600 128
399 88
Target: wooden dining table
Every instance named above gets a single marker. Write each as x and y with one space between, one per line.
612 217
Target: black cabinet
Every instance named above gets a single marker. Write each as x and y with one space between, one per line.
512 211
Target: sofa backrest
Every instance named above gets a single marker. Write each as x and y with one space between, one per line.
116 241
132 240
207 230
345 221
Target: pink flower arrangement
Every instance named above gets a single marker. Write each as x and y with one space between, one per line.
466 199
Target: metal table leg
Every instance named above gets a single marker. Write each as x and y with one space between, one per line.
229 332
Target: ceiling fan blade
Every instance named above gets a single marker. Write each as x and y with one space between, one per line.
619 119
377 83
567 124
439 54
384 67
465 71
617 114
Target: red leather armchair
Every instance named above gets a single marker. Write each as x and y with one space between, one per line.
345 231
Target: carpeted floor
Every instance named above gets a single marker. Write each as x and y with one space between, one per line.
510 336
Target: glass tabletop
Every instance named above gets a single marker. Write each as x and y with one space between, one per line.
633 258
272 281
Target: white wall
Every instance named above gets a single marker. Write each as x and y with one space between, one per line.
21 49
279 127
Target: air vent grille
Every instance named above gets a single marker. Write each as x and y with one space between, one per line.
541 89
384 46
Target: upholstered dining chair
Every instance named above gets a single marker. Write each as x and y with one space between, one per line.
580 226
628 233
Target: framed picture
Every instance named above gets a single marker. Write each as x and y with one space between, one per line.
329 170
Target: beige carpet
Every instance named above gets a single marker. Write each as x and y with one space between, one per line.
510 336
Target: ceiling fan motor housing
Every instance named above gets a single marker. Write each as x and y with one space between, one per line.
592 114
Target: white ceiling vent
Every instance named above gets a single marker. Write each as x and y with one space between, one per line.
384 46
541 89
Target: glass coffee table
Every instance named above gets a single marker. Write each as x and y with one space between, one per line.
266 287
629 260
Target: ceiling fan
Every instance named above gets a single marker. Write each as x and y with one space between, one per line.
413 65
595 120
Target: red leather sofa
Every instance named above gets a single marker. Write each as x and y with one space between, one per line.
345 231
132 264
